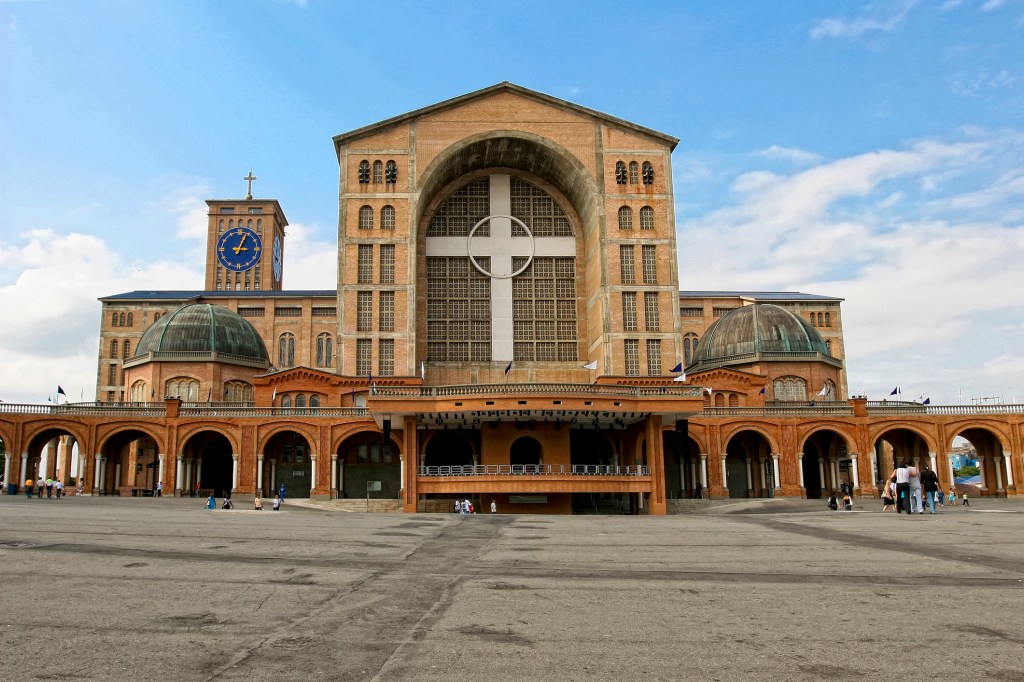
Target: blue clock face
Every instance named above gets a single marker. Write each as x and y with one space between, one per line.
239 249
277 258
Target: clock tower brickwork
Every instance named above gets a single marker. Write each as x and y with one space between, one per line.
267 220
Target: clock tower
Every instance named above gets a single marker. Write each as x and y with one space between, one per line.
245 244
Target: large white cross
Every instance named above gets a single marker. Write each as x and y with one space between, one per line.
501 247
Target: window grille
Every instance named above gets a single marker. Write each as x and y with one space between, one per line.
629 311
378 175
691 312
365 218
625 218
790 388
113 348
653 357
648 173
364 311
631 348
391 173
689 347
286 350
288 311
627 265
537 210
126 349
386 357
633 180
620 173
650 264
544 310
324 350
324 311
387 263
458 310
463 209
364 357
651 316
365 264
646 218
386 317
387 218
364 174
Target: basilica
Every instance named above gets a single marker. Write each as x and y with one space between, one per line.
507 326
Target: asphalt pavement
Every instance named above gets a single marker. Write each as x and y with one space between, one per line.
162 589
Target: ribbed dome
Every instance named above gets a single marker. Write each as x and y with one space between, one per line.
764 330
202 331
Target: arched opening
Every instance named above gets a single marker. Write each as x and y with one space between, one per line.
980 467
589 451
448 448
132 465
825 464
525 451
749 467
208 468
366 457
287 462
52 454
683 475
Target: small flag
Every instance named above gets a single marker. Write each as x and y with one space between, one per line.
824 391
811 404
49 398
708 389
590 365
762 391
226 391
927 401
423 371
60 391
508 368
678 368
209 395
273 396
894 391
681 377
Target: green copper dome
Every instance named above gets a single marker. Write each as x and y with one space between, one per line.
756 333
202 332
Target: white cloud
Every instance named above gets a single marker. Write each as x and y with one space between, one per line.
874 19
975 85
927 279
308 263
992 5
793 154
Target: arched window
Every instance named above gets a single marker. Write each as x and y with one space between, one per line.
364 172
828 391
620 173
790 388
183 388
324 350
648 173
113 348
300 400
634 178
734 400
122 322
378 173
387 218
646 218
238 392
625 218
361 400
719 400
286 401
126 349
365 218
828 345
828 320
391 173
156 316
138 392
821 321
314 401
113 319
131 319
286 350
689 347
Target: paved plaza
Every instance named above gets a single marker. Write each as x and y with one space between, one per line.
145 589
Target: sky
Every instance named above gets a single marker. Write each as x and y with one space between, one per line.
872 151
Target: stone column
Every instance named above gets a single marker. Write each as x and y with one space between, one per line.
234 471
704 473
312 473
981 469
821 473
163 468
1009 468
188 485
96 472
179 479
949 466
854 457
117 476
7 472
775 467
874 470
999 474
199 471
334 473
341 477
931 459
800 471
24 470
750 477
273 475
259 472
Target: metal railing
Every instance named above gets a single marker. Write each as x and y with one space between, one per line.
534 470
225 410
609 390
841 409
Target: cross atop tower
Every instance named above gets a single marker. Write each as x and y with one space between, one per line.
250 177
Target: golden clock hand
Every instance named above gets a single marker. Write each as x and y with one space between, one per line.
239 247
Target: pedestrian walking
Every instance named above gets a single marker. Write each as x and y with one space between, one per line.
916 501
902 478
258 503
159 488
28 488
494 506
963 500
887 500
458 506
277 501
59 485
49 488
833 503
280 492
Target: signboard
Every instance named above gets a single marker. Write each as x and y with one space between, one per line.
373 486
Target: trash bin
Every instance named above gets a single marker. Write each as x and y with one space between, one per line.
12 488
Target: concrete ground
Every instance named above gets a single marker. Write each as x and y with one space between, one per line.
117 589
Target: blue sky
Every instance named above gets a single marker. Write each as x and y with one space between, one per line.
872 151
